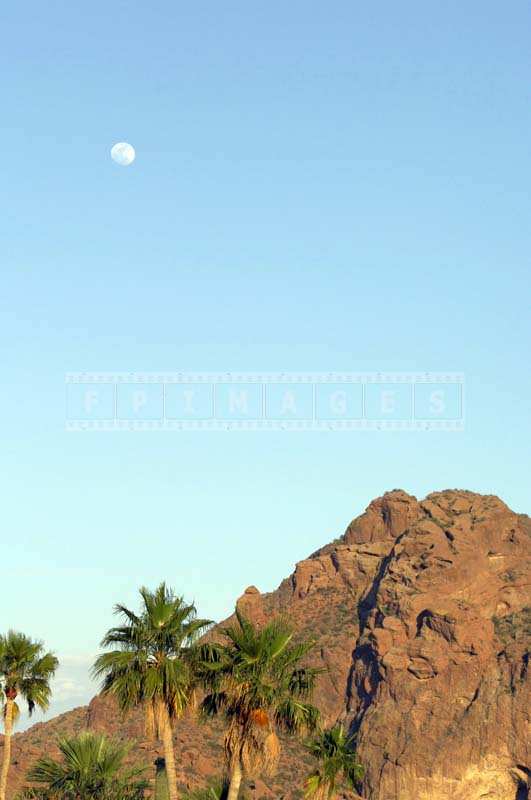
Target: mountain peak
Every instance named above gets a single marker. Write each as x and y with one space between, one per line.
422 617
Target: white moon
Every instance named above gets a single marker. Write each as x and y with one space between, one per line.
123 154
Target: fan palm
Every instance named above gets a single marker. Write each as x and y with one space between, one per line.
91 767
338 764
151 664
25 672
257 680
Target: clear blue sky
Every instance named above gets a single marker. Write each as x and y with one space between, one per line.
323 186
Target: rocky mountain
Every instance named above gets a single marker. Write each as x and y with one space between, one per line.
422 616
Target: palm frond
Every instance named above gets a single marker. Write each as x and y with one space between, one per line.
213 703
216 789
337 760
258 680
26 669
150 658
90 766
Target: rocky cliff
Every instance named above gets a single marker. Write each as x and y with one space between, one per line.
422 616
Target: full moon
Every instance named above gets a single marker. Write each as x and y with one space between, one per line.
123 154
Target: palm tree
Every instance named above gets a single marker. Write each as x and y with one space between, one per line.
151 664
25 671
257 680
91 767
338 764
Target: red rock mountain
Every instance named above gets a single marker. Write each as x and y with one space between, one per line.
422 615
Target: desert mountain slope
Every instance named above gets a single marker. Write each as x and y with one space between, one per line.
422 616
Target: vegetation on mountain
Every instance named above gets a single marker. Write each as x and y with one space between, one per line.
337 764
216 789
514 627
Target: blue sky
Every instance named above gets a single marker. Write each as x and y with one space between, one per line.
317 187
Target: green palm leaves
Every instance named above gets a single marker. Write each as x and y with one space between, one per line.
258 677
338 764
216 789
258 680
151 659
25 672
91 767
150 663
258 671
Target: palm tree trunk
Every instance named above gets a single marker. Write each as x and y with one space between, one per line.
169 757
8 729
235 781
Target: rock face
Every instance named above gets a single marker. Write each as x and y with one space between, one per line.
422 617
440 692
